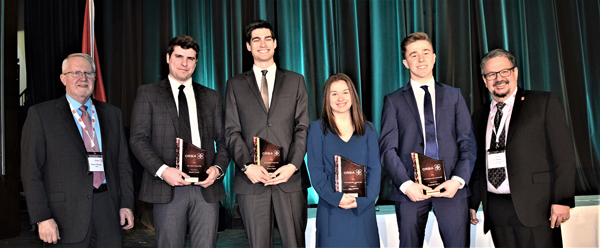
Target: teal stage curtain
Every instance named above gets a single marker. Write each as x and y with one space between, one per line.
554 41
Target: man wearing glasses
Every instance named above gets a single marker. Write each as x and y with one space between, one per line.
525 168
177 107
75 164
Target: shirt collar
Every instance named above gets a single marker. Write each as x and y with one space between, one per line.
77 104
175 84
270 69
509 102
430 84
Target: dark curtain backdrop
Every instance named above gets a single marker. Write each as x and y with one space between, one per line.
553 41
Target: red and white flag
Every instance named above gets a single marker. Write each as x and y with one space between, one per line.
89 46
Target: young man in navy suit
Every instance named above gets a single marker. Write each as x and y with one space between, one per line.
429 118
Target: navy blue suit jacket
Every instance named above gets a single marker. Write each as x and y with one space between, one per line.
401 134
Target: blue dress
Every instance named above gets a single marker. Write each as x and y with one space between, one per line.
336 226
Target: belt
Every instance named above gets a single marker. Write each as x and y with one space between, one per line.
101 189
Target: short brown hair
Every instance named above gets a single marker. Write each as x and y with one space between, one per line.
499 52
356 113
185 42
411 38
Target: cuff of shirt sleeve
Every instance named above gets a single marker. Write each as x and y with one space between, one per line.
460 180
221 174
405 185
160 171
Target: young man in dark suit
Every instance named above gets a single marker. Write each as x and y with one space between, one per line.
525 169
171 108
75 164
432 119
270 103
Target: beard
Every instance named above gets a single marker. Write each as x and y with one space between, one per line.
499 83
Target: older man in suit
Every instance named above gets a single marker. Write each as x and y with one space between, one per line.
525 169
430 118
270 103
171 108
75 164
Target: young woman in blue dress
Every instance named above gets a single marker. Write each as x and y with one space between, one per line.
342 219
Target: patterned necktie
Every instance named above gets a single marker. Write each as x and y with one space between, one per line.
185 132
497 175
431 144
264 89
85 117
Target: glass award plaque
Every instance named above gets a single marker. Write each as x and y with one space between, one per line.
191 160
429 172
350 178
267 154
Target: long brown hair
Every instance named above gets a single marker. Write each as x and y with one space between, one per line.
356 113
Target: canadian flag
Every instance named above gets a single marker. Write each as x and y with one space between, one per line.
89 46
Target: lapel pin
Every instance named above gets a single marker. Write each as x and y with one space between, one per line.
522 98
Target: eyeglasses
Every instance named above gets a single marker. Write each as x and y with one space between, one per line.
503 73
78 74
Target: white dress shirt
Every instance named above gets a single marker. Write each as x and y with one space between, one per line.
270 79
191 101
504 188
420 98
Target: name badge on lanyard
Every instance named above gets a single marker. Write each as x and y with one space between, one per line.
95 161
496 159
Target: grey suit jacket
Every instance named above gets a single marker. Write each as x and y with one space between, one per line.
54 166
154 127
540 158
285 124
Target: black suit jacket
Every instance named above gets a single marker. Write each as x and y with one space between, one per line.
540 158
54 166
154 128
285 124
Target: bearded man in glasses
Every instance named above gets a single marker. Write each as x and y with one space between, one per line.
525 168
75 164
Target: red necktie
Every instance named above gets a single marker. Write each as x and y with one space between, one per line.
85 117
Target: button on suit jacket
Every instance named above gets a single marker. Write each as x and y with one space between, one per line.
285 124
54 166
154 128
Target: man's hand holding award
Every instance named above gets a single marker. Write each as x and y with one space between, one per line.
430 173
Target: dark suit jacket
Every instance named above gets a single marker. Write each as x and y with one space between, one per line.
539 154
286 125
154 128
54 166
401 134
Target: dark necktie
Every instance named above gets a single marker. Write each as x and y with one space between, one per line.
497 175
185 132
85 117
264 89
431 144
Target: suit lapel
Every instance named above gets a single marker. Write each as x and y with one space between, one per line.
251 80
409 96
167 94
439 99
65 115
516 113
105 130
482 125
200 95
279 80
